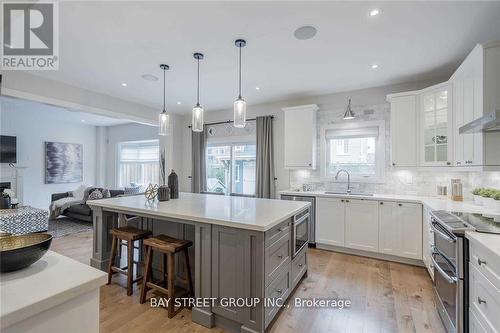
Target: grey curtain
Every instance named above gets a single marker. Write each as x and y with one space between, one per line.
198 179
264 185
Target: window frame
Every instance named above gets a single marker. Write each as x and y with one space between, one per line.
118 157
231 142
380 151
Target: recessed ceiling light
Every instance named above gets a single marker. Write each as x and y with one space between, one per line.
374 66
124 84
374 12
305 32
83 120
149 77
257 88
179 102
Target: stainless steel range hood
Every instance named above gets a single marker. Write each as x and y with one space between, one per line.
490 122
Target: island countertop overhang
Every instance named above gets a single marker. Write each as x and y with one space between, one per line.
232 211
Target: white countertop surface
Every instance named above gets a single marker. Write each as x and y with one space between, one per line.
434 203
52 280
489 241
238 212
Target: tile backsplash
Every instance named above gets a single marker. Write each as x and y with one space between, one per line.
396 181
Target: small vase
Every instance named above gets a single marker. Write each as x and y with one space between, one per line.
173 184
163 193
478 200
5 203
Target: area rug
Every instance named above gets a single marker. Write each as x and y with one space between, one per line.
64 226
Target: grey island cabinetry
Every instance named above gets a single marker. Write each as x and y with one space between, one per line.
244 251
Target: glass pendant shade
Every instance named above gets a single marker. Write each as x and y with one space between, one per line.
197 121
164 123
240 112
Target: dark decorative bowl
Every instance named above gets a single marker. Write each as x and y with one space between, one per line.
20 251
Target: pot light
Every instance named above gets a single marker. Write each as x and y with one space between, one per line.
179 102
374 12
257 88
374 66
83 120
124 84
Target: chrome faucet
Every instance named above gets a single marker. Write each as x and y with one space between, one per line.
348 179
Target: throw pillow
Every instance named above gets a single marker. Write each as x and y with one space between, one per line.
96 194
106 193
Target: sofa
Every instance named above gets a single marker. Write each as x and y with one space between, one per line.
82 211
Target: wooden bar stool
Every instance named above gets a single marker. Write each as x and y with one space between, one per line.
168 246
130 235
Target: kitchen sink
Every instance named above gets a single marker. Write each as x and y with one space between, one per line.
352 193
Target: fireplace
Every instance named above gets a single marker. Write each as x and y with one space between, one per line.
5 185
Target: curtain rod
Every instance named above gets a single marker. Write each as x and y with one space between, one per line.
228 122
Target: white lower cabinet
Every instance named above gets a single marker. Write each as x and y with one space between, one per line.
400 231
386 227
361 224
330 213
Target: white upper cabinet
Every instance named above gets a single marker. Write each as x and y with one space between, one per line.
404 132
300 136
436 133
472 91
476 91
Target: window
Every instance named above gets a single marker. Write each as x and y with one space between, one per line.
230 168
355 147
138 162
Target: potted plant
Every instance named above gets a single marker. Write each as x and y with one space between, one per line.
476 193
496 197
487 195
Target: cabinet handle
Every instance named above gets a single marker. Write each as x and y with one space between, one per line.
280 229
279 291
342 200
280 256
393 164
480 300
300 265
481 262
310 164
347 201
448 163
381 203
400 204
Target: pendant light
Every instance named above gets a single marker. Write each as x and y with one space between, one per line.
240 106
164 117
197 121
349 114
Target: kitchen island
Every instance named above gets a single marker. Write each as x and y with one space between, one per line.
243 249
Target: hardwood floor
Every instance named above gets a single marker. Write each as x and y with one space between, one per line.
385 296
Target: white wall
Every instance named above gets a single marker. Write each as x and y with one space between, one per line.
371 96
33 124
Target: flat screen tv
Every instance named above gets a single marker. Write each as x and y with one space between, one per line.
8 150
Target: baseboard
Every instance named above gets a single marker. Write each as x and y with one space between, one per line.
369 254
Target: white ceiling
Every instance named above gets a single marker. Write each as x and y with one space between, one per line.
60 114
103 44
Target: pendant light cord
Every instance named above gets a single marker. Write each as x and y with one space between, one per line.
164 98
239 83
198 91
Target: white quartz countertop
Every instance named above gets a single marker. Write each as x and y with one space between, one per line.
432 203
52 280
238 212
489 241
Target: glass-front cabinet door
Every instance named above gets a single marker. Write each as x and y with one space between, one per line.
436 127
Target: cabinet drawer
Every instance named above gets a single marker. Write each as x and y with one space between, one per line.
299 266
474 324
276 294
486 263
277 232
484 299
277 256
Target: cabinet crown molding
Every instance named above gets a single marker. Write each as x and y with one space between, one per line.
312 107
